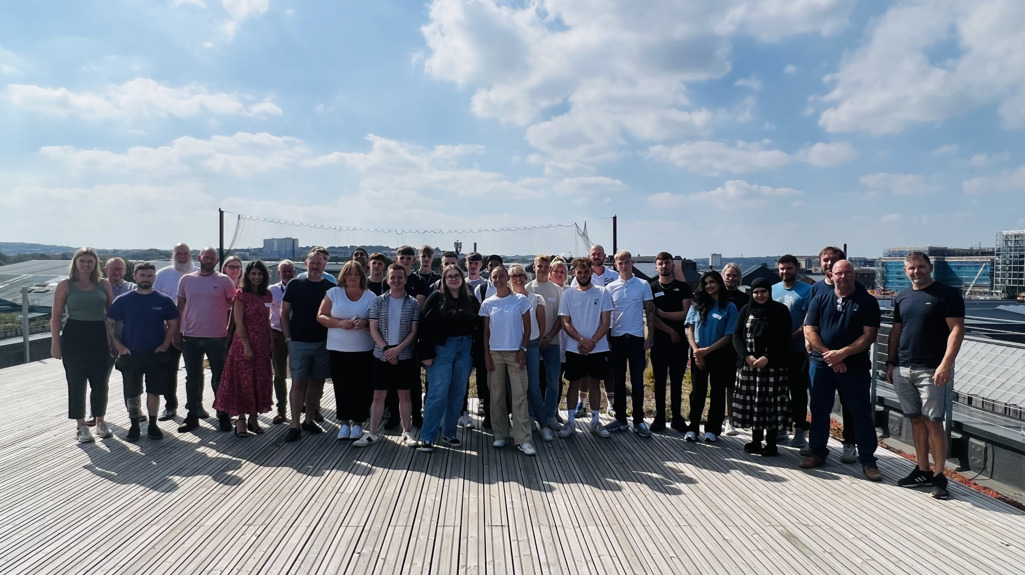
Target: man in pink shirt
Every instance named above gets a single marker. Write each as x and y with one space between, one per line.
204 298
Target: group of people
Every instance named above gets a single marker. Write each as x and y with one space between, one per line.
760 360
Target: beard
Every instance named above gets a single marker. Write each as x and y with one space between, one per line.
145 285
207 268
183 268
585 282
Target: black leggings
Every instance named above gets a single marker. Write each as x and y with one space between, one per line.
85 356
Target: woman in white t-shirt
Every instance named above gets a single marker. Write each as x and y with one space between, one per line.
506 329
535 401
345 312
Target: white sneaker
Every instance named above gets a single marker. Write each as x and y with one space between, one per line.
84 435
367 440
710 438
690 436
598 429
850 453
500 443
356 432
547 435
527 448
568 430
730 430
466 421
103 430
407 440
344 431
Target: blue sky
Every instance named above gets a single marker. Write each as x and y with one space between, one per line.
740 127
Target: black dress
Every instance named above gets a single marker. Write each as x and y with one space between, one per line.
761 399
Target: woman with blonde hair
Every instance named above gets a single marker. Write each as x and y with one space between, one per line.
82 343
232 267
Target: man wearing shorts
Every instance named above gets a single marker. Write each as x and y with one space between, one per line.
928 328
586 312
307 342
141 324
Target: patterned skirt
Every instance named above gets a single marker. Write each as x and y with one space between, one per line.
761 398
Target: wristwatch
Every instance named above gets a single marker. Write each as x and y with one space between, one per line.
523 349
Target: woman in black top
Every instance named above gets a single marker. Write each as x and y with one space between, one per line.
447 328
762 340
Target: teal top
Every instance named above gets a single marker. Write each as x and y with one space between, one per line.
86 305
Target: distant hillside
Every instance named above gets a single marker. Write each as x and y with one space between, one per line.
12 248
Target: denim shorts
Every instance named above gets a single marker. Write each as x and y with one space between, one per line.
309 360
918 395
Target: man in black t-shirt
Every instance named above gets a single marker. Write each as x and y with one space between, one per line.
307 342
840 328
672 300
928 328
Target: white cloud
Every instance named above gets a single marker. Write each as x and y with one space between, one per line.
895 80
823 154
138 98
899 184
712 158
10 63
1006 181
790 70
983 160
751 82
199 3
242 155
946 150
741 194
586 76
238 11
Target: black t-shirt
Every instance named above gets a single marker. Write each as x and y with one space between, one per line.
429 278
670 298
739 298
305 296
924 313
378 287
416 286
840 323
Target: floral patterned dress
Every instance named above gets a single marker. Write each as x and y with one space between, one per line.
247 384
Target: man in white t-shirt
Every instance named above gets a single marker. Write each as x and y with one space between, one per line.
586 312
506 333
600 277
632 305
549 344
167 284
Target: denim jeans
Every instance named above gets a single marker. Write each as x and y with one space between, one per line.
855 388
193 349
535 402
553 369
628 349
448 374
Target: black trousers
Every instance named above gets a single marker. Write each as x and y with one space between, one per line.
85 356
711 382
669 359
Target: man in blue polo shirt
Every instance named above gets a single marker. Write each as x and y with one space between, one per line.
840 328
141 324
796 296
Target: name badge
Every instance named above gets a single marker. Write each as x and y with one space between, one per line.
716 316
551 299
659 294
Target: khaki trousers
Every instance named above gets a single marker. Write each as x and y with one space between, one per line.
508 370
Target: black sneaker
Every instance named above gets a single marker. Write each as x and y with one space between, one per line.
153 431
679 424
312 427
224 421
293 434
658 424
939 487
133 432
770 451
917 478
753 447
191 422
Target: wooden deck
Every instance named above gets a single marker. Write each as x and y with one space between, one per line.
211 502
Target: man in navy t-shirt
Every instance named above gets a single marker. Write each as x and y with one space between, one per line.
928 328
840 328
141 324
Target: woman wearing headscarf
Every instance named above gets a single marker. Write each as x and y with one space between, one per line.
762 339
709 326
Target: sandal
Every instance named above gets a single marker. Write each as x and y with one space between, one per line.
241 431
254 426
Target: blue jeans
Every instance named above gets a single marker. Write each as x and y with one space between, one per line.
628 349
447 375
535 403
553 366
855 389
193 349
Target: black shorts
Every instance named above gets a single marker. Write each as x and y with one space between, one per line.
594 365
400 377
158 370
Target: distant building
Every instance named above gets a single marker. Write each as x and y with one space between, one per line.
968 269
715 261
280 248
1009 276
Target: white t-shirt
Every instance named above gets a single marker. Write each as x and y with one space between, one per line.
584 308
551 293
506 320
167 280
600 280
535 300
628 297
351 340
276 291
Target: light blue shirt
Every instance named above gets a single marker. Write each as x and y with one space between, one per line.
798 298
719 322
